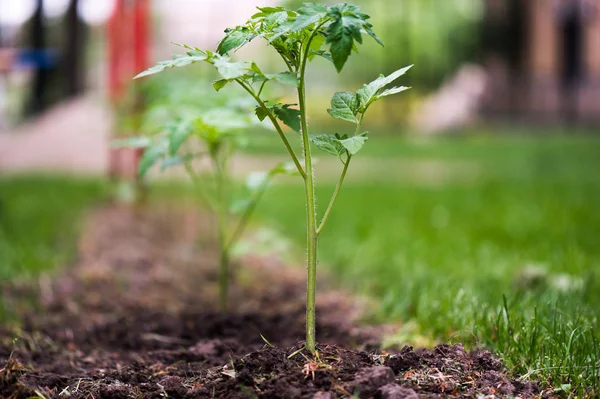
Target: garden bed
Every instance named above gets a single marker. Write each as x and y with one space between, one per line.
134 317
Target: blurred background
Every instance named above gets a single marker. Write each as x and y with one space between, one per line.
473 212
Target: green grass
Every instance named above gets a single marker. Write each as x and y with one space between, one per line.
39 222
508 258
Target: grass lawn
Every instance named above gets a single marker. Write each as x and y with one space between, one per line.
39 222
506 255
491 240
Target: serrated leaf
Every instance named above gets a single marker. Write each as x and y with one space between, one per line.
321 53
178 133
342 32
289 116
152 154
287 78
310 13
286 168
132 142
264 11
371 33
234 40
174 160
369 92
355 143
219 84
260 113
232 70
341 45
393 90
177 61
344 105
328 143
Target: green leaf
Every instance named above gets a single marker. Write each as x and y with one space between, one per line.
174 160
260 113
287 78
177 61
355 143
178 133
219 84
152 154
321 53
309 14
289 116
235 39
132 142
344 105
285 168
393 90
264 11
232 70
341 33
328 143
371 33
369 92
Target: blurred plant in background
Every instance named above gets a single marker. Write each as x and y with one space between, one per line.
185 123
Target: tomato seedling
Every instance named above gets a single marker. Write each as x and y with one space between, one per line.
212 127
313 30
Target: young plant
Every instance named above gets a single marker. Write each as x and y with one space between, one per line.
332 32
211 128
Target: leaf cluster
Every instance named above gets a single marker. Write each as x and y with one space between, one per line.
351 107
180 138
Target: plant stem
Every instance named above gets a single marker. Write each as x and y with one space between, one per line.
212 203
340 181
273 120
243 222
335 194
222 223
223 277
311 214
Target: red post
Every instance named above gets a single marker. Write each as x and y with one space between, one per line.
141 35
128 54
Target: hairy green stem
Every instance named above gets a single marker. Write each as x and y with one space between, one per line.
311 213
334 196
273 120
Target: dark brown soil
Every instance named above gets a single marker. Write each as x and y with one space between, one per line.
134 318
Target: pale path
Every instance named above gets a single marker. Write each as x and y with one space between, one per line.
71 137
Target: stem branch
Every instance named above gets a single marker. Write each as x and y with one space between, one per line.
268 112
334 196
200 186
243 222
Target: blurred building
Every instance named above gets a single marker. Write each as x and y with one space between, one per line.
543 59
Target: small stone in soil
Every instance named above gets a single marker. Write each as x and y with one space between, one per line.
368 380
395 391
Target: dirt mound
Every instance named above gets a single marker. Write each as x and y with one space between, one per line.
134 318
